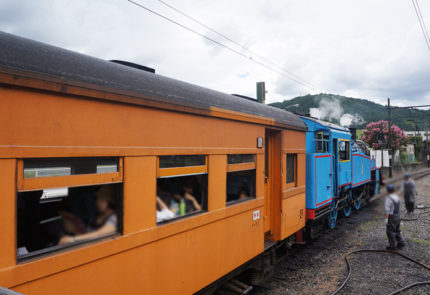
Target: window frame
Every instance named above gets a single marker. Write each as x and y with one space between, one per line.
320 141
294 182
184 171
36 183
76 180
181 171
237 167
347 149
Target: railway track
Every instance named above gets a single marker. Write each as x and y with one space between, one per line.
396 181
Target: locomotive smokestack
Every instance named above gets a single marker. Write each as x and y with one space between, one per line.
353 133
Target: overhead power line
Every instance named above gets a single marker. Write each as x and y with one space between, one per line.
234 42
223 45
422 23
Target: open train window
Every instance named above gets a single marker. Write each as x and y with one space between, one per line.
344 150
182 183
82 210
240 178
291 169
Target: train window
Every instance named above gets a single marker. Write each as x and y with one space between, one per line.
291 169
320 142
240 178
354 148
182 161
344 148
238 158
54 219
34 168
182 183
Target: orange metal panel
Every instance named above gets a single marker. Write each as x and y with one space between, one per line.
293 215
62 129
81 255
292 205
240 167
293 191
36 183
273 185
293 140
198 258
7 213
55 84
165 172
228 114
217 186
259 178
276 184
139 193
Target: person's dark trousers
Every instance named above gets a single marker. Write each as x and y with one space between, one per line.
410 206
393 232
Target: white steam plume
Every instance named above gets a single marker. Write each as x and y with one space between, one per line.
330 109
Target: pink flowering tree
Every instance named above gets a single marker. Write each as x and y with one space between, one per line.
376 135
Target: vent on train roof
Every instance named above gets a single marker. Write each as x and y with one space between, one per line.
133 65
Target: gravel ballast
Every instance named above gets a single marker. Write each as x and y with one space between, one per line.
319 267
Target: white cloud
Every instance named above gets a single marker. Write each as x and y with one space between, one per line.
360 48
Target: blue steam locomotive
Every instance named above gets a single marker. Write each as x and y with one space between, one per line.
340 173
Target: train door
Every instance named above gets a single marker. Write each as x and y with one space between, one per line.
344 162
272 177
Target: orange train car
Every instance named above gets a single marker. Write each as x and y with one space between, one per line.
115 180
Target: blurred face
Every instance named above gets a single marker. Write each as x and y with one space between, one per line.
188 190
177 197
102 204
242 195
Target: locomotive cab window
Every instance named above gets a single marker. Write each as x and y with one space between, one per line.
240 178
344 150
51 218
321 142
181 186
291 170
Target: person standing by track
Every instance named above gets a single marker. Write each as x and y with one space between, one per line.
409 192
392 219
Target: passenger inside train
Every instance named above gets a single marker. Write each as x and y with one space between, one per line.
240 186
104 222
182 195
53 217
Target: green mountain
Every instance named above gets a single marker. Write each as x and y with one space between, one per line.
353 112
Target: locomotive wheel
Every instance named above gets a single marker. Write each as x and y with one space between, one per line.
357 204
346 211
332 218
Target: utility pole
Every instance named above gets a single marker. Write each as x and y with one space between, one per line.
427 144
390 171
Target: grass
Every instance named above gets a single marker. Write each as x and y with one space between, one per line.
420 242
369 225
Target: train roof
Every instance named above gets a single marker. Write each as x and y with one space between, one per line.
23 57
325 124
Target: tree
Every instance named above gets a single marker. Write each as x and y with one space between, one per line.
376 136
